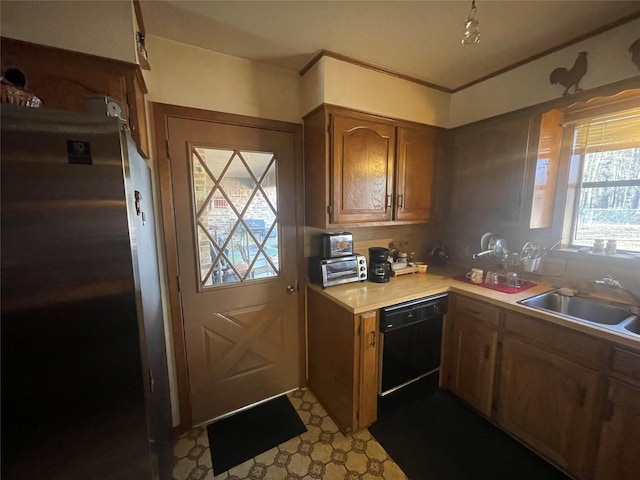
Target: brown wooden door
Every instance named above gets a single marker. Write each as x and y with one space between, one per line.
362 170
416 160
233 191
474 362
619 449
547 402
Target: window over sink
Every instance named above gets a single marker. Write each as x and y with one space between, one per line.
599 171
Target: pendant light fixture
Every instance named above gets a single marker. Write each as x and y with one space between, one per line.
471 34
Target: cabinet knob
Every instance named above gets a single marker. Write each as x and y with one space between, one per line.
389 200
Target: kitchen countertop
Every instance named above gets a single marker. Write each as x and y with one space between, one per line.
365 296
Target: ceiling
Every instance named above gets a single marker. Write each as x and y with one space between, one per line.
419 39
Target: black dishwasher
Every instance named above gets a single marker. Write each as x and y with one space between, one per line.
411 343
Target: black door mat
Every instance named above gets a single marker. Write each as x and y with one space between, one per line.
439 438
249 433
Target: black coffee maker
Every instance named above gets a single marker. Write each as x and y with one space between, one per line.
379 266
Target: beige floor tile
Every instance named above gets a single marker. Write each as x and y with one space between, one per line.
290 446
183 467
275 472
329 424
182 446
392 471
334 471
342 441
267 458
242 470
375 450
321 453
312 434
356 462
299 464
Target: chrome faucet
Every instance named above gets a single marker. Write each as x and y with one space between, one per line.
611 282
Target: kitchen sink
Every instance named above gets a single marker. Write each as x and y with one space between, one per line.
633 326
605 314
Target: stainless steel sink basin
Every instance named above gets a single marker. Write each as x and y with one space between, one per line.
633 326
589 310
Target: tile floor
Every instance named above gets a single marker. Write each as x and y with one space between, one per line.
320 453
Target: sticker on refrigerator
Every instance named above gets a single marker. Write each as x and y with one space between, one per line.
79 152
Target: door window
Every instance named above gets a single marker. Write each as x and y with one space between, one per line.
236 217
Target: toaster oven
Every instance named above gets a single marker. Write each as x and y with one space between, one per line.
336 271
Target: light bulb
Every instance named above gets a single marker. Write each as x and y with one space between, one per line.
471 34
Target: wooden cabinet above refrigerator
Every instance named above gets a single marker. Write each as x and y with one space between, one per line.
63 79
363 169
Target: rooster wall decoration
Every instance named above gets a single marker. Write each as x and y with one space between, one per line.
570 78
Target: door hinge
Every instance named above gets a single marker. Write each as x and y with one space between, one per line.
330 210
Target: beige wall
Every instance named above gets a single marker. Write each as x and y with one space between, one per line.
361 88
313 87
190 76
97 27
609 61
194 77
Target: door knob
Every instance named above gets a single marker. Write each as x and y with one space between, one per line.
291 290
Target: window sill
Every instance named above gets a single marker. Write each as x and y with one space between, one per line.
595 258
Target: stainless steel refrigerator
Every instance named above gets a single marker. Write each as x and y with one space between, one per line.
84 373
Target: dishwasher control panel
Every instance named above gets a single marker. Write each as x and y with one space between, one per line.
414 311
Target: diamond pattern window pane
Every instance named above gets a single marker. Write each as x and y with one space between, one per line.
235 206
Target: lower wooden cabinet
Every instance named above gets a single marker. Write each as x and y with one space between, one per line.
619 447
474 362
571 397
343 361
548 402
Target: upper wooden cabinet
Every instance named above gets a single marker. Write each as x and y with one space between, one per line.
63 79
362 164
418 151
362 169
490 167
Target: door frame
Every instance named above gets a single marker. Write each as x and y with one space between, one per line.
161 114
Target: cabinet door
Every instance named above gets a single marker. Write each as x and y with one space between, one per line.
489 162
368 409
474 362
619 448
362 170
547 402
416 160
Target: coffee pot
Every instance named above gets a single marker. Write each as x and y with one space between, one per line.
379 265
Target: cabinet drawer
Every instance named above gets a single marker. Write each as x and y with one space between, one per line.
480 310
626 363
576 346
